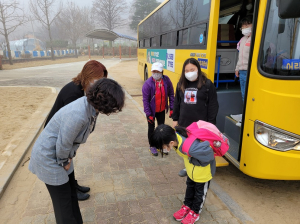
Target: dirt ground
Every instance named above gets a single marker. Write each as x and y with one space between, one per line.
17 106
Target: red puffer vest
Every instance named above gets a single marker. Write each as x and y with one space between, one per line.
160 96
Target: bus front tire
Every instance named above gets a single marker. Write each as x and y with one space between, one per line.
145 73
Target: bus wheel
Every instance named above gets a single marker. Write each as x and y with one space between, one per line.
145 74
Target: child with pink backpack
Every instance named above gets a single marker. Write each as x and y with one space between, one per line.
197 144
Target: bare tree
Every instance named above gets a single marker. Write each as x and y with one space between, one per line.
45 11
108 13
75 22
57 33
11 17
184 13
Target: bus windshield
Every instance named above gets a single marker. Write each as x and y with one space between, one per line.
280 51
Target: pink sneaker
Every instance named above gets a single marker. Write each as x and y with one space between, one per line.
191 218
180 214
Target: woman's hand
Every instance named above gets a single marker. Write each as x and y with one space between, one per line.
67 167
237 73
175 123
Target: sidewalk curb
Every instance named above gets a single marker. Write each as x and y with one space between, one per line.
10 167
234 208
141 109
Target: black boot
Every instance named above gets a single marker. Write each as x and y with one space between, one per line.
82 188
82 196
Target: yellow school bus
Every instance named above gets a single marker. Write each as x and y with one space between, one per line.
267 143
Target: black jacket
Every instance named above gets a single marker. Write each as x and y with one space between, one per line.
67 94
195 104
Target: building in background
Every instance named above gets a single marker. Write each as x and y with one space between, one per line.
30 44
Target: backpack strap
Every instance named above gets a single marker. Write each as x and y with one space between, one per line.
187 144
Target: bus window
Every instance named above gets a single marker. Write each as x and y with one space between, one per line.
198 35
280 51
166 24
184 13
183 37
155 41
225 19
147 42
169 39
177 16
141 43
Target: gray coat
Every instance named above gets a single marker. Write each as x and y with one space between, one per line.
59 141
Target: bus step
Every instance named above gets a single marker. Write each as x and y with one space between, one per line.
233 150
220 161
231 129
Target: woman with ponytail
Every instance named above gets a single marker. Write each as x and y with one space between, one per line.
91 72
200 168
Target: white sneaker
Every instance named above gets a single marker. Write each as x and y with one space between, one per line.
182 173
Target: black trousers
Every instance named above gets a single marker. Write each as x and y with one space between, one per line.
195 195
65 202
160 116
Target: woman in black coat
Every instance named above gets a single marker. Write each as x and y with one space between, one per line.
195 98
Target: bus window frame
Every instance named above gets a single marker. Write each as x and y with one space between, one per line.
141 42
259 59
177 46
146 39
253 38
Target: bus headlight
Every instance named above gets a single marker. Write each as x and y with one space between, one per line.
276 138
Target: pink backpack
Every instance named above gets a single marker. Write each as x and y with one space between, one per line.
206 131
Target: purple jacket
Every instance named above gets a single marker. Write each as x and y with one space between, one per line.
149 95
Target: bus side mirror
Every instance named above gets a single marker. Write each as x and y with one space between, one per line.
288 9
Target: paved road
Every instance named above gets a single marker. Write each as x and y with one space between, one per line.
264 200
56 75
128 185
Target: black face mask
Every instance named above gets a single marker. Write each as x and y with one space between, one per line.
176 147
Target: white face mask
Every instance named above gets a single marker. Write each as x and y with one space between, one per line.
157 76
247 31
191 76
249 6
166 150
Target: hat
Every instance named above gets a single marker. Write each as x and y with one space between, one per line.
157 66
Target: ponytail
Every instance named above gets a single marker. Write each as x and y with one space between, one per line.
182 131
162 135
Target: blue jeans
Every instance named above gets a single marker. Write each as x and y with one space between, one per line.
243 78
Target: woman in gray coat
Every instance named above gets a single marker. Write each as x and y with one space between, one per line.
52 153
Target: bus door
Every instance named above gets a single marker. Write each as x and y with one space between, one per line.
271 136
227 84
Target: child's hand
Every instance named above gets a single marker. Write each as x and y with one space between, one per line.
171 112
237 73
150 119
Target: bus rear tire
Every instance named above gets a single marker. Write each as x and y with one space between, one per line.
145 73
